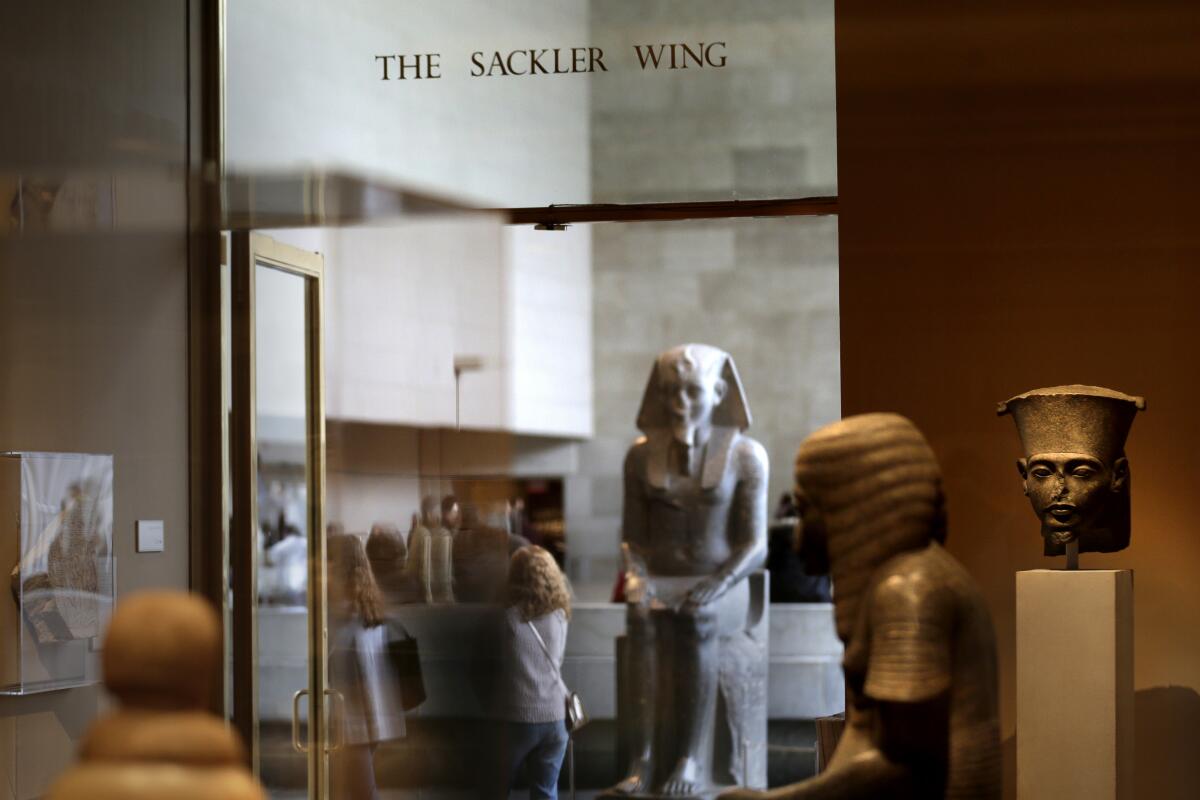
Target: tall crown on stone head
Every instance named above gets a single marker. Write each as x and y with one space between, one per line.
1073 419
684 361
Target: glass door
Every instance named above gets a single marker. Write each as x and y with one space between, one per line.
277 539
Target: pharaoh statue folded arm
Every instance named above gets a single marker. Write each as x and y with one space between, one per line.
746 550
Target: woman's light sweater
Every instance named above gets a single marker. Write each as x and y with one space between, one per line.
529 689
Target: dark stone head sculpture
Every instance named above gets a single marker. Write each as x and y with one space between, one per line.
1075 472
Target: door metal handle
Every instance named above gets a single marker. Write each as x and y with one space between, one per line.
296 743
336 720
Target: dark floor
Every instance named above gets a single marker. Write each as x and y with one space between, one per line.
442 758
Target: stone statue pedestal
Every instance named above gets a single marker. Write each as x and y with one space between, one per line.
739 738
1075 685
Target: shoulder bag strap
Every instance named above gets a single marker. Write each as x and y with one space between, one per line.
546 650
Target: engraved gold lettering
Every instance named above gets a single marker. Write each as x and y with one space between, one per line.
687 51
508 62
558 60
709 57
649 55
403 65
384 59
497 63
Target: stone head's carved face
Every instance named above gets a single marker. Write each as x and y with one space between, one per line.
1072 493
690 393
1074 469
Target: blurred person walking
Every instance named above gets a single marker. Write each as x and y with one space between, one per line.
388 555
359 669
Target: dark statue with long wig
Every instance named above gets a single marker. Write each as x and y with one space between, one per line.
920 658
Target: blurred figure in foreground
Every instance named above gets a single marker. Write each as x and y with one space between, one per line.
388 556
161 654
441 551
481 557
359 669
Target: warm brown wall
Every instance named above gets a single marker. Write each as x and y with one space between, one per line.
93 321
1020 208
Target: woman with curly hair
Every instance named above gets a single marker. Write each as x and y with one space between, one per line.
358 668
531 697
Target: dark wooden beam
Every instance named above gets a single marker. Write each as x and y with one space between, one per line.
645 212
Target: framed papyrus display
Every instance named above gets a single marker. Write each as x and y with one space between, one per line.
56 521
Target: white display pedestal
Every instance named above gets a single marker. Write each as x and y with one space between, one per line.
1075 685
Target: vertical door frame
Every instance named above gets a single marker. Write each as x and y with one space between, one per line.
207 508
248 251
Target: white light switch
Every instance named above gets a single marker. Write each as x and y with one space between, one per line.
149 535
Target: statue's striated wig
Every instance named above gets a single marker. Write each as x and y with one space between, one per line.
878 488
536 586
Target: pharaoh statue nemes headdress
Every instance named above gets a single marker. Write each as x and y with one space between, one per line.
878 488
1085 420
688 360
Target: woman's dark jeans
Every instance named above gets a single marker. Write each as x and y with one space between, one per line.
541 747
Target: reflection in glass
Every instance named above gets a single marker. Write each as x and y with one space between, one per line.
564 325
281 424
532 104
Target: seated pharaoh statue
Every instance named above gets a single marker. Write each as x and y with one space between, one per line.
161 654
694 527
920 653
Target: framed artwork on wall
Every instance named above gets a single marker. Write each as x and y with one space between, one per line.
56 522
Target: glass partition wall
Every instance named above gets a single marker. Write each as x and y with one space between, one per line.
521 208
482 384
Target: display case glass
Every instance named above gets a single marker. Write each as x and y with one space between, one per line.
57 512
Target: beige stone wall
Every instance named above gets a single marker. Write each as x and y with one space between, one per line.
763 125
766 290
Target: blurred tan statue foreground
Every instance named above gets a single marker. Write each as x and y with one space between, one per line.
160 657
920 661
